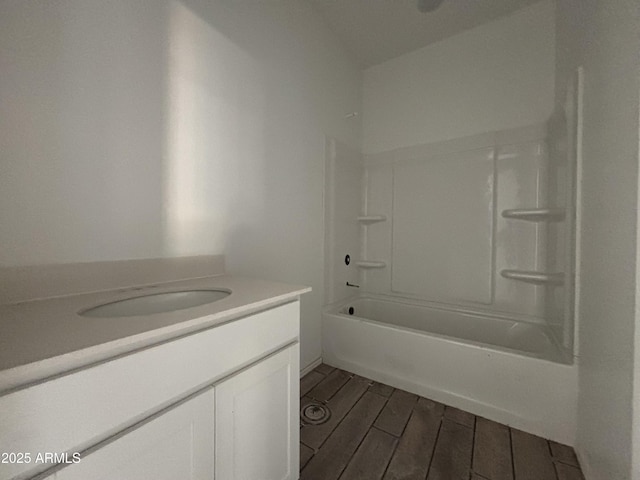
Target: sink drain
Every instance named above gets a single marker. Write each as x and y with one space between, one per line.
315 413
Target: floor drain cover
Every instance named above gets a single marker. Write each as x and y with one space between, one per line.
315 413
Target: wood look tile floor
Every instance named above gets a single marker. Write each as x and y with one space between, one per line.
378 432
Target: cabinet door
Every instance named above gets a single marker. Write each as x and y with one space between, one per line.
175 445
257 420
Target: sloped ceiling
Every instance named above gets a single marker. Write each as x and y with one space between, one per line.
377 30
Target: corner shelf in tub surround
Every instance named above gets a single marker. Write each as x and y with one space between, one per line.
537 278
369 219
370 264
535 214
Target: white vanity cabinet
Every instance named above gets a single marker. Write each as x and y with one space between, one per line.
257 426
221 403
175 444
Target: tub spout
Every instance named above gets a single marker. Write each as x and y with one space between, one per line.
352 285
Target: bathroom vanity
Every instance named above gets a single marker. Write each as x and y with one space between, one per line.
205 392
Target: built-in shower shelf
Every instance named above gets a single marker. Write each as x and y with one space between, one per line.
535 214
370 264
369 219
537 278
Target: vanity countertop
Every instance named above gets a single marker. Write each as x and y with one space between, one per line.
44 338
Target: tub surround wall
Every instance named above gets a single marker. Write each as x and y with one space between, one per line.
447 238
441 226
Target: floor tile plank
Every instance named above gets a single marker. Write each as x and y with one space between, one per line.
563 453
437 443
309 381
452 456
531 457
413 455
340 404
305 455
329 462
324 369
396 412
460 416
329 385
371 459
381 389
568 472
492 450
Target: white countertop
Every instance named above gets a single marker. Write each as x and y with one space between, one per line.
43 338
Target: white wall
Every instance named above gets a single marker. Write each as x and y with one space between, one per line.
604 38
496 76
163 128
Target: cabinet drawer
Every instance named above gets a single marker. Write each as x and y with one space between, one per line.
73 412
175 445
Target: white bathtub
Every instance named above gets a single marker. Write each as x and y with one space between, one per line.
508 371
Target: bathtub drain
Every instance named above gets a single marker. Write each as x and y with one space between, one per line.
315 413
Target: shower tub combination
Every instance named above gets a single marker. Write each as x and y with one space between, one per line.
505 370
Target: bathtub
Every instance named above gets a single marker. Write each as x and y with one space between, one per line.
508 371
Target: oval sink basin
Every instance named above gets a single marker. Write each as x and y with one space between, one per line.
155 303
